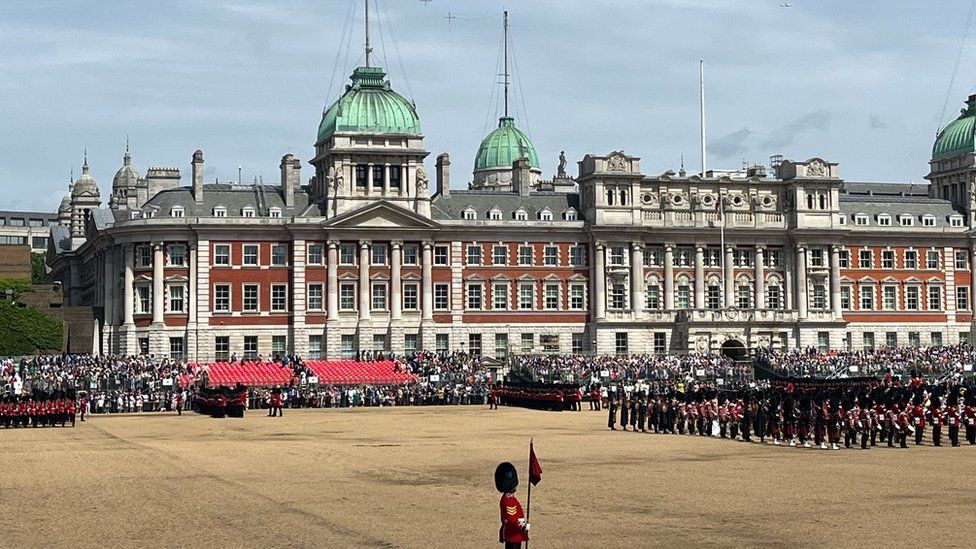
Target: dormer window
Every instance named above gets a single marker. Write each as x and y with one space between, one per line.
842 220
469 214
177 211
135 215
955 221
906 220
495 214
220 211
148 214
247 211
860 219
570 215
928 221
545 215
521 215
275 213
884 220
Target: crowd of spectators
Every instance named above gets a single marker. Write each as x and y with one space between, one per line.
939 361
589 369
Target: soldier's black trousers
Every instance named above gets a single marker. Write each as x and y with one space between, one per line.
937 435
864 440
919 433
970 434
954 435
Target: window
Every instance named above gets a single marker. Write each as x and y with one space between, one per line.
844 259
577 343
914 339
860 219
380 342
410 343
315 254
962 298
250 255
395 177
570 215
474 255
906 220
868 340
864 259
577 256
682 257
361 175
774 297
411 255
145 256
545 215
145 307
891 339
845 298
911 298
143 345
962 260
411 293
441 297
552 297
499 255
521 215
440 255
742 258
222 298
618 295
577 296
279 254
525 255
884 220
274 213
250 347
176 299
247 212
713 297
315 297
442 343
475 291
928 221
867 297
819 300
653 296
955 221
347 346
683 300
660 343
550 343
279 297
743 296
315 347
378 296
911 259
889 298
222 348
823 342
887 259
495 215
347 296
470 215
936 339
617 255
250 295
222 255
817 257
378 255
279 345
526 297
347 254
220 212
176 348
773 258
620 343
652 257
550 256
935 298
474 344
176 254
527 342
499 296
932 259
713 258
38 241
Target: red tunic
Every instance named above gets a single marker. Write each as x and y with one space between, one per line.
511 514
918 416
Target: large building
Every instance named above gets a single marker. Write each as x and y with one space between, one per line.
364 254
26 229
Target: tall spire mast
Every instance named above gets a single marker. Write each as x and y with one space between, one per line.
505 31
369 50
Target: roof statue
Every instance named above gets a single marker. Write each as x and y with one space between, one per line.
561 170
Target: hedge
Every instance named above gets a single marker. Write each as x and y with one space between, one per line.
26 330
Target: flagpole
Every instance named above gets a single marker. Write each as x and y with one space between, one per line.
721 233
528 496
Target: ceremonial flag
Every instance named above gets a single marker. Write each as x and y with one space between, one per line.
535 470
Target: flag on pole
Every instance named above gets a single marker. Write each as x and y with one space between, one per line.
535 470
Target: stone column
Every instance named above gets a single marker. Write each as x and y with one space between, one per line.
600 281
364 294
760 275
396 306
789 267
427 281
108 302
386 179
669 277
637 279
369 179
729 275
835 280
157 287
332 284
801 281
972 286
297 295
191 290
699 277
127 342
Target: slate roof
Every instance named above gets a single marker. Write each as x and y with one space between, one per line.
231 196
451 207
894 199
884 189
61 238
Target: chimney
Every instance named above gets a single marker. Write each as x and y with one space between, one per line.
443 168
290 174
198 176
520 176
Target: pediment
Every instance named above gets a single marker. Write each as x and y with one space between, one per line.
381 215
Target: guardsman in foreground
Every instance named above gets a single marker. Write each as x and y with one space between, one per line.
514 529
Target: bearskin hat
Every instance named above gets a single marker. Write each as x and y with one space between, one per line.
506 477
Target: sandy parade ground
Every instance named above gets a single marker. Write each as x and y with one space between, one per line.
422 477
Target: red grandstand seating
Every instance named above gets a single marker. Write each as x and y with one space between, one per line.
349 372
255 374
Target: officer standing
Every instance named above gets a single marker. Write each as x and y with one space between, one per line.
612 405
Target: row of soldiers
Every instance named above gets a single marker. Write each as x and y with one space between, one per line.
39 409
818 417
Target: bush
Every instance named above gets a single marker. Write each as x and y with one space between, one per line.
26 330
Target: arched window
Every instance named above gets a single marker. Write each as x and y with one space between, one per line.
809 201
610 197
823 202
623 197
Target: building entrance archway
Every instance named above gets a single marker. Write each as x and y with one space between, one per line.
734 349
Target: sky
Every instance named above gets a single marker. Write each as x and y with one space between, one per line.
866 84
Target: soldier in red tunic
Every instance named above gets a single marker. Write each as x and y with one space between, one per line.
918 418
969 418
952 418
935 416
514 529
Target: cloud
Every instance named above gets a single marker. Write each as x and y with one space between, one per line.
785 136
875 122
730 145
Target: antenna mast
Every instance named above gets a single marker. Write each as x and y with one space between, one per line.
368 49
505 29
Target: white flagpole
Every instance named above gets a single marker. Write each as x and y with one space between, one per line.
721 233
701 74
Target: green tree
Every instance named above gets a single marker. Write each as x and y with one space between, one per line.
38 272
27 330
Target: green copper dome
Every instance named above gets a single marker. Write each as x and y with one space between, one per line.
370 106
503 146
958 137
